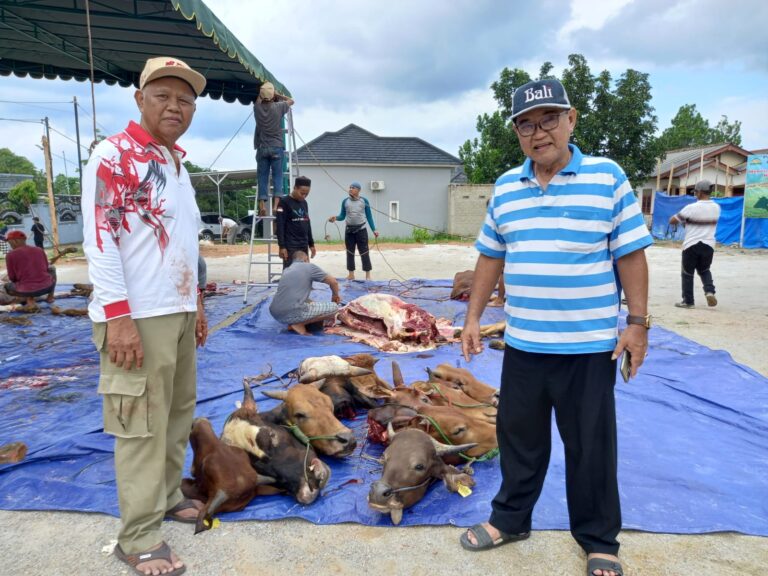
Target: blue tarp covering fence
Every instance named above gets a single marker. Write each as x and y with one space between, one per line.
728 227
693 426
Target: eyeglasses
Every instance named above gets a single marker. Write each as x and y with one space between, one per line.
547 123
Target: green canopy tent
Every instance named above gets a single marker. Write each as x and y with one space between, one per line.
49 39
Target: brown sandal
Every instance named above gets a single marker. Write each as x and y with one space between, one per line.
186 504
162 553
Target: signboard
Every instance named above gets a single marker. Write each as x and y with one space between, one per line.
756 188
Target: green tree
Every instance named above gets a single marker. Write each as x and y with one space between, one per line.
727 132
66 185
614 121
22 195
11 163
690 128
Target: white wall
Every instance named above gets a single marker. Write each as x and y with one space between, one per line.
422 193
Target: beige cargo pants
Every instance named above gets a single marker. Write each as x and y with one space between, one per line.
149 411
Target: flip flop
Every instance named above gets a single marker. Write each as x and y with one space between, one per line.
484 540
186 504
603 564
162 553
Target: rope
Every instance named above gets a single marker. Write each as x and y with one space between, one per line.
230 140
306 440
470 459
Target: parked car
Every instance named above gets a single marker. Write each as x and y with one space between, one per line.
209 227
246 222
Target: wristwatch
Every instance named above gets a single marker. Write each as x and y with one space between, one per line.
644 321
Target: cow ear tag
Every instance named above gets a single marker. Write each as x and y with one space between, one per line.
464 490
215 524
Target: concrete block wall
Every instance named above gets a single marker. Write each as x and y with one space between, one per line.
467 207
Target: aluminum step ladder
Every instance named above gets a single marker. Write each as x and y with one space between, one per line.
272 260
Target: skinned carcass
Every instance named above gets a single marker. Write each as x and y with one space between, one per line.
391 325
319 367
412 461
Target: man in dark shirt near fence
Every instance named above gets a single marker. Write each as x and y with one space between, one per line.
294 230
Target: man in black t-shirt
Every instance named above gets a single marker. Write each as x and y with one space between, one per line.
38 231
294 230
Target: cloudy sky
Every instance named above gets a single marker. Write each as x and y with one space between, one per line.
423 68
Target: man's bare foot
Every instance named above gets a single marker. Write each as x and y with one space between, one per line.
50 299
299 329
607 557
367 275
191 513
495 302
156 566
350 276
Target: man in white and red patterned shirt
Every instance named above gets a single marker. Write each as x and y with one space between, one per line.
140 227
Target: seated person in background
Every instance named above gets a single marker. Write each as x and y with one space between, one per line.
28 270
291 304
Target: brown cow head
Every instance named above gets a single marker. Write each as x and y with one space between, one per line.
311 411
457 427
465 381
345 396
275 452
411 462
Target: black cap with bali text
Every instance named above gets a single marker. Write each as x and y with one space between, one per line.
539 94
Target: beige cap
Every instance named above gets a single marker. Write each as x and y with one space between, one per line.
163 66
267 91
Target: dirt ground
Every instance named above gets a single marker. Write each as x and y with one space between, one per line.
75 543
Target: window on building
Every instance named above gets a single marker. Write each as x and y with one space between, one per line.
394 211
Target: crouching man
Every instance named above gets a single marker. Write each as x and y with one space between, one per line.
28 270
291 304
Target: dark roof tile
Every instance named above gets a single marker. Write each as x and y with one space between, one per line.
353 145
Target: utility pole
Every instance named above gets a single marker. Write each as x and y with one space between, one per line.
49 180
66 174
79 158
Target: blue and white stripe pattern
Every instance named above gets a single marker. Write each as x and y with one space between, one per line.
559 248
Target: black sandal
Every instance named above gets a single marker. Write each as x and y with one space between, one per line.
484 540
603 564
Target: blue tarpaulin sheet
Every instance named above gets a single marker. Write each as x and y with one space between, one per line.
693 426
728 226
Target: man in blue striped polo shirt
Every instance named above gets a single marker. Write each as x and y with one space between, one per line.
557 227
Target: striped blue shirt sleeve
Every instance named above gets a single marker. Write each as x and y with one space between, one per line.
489 242
629 230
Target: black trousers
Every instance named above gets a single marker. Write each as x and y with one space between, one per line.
357 237
580 389
697 258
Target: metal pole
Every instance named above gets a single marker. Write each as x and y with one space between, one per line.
79 157
66 174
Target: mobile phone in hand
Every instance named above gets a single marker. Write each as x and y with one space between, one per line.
625 365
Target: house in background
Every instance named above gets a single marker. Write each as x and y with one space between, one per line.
404 178
678 171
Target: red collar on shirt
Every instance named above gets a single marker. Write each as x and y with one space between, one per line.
144 138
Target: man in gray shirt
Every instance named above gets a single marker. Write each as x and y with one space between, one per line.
291 304
357 211
269 141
